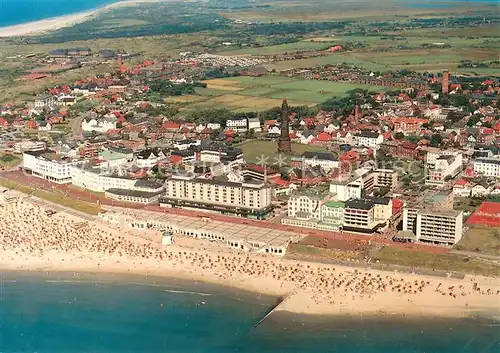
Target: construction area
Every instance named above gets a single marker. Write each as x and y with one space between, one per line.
237 236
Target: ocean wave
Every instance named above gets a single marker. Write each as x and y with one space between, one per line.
187 292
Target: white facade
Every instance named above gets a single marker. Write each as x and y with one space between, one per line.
368 140
48 166
303 205
254 124
434 225
444 166
214 126
346 191
98 125
188 191
240 125
45 102
325 164
488 167
93 180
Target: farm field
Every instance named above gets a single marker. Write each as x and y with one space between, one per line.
256 150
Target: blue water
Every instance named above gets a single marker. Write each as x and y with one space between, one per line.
136 314
20 11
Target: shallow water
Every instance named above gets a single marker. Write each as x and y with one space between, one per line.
14 12
60 313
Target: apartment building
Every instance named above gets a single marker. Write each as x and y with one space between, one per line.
359 216
368 139
47 164
385 178
237 124
250 198
443 166
487 166
90 176
437 226
314 210
431 218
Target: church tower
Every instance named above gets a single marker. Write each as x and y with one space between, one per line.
284 143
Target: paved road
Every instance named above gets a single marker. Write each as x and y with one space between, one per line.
80 194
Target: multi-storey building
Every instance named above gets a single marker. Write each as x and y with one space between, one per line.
385 178
487 166
315 210
432 219
359 216
368 139
445 165
49 165
250 198
237 124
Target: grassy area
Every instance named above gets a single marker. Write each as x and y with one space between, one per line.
260 93
8 160
52 197
446 262
313 252
481 240
256 150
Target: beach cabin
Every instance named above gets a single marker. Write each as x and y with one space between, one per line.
238 243
167 238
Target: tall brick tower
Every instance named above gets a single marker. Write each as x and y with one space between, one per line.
445 83
284 143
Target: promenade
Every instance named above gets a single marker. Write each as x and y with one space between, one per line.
349 239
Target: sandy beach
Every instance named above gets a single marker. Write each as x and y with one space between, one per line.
31 240
51 24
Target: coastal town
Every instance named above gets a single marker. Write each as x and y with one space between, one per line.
339 186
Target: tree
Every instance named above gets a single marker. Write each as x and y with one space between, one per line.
399 136
436 140
474 119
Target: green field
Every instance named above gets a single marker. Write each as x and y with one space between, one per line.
258 93
256 151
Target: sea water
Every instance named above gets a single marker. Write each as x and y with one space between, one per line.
14 12
62 313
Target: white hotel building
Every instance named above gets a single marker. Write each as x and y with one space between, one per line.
250 198
46 164
487 166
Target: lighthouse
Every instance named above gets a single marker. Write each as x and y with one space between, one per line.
284 143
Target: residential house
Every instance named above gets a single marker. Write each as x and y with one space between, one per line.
237 124
149 157
368 139
254 124
462 188
45 101
326 160
101 125
44 126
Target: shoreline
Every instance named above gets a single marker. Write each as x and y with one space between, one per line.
54 23
32 241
